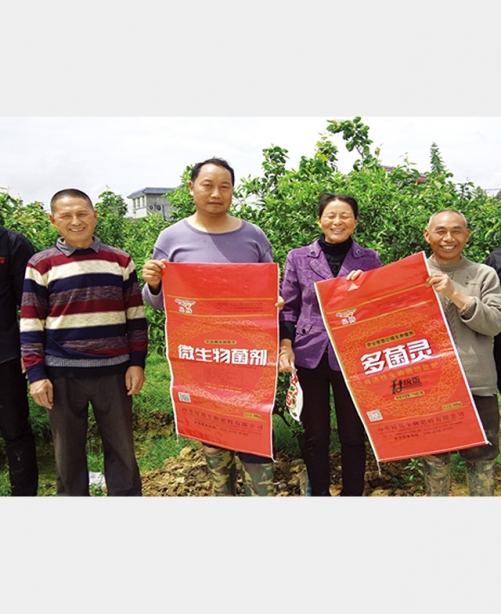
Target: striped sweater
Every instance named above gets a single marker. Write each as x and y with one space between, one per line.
81 308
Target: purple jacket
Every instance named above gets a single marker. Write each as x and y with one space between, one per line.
305 266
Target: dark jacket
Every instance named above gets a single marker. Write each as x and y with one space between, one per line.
15 251
303 268
494 260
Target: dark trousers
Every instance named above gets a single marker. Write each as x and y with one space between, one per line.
315 416
488 412
497 358
68 420
16 430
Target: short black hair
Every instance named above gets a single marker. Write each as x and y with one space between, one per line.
218 162
327 197
72 193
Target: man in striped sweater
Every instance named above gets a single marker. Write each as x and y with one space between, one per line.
84 340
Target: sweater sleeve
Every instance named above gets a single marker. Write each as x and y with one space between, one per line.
154 300
291 293
483 315
137 328
34 310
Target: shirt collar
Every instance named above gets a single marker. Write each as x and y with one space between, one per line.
448 267
69 251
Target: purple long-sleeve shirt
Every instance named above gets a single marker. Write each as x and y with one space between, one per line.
183 243
303 268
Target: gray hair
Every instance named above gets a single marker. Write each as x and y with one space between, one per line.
447 211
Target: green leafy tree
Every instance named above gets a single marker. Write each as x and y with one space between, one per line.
181 202
356 136
7 206
111 223
437 164
395 205
31 220
141 235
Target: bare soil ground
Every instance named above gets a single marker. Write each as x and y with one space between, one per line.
187 476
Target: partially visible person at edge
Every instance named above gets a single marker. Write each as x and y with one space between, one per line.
84 340
470 295
212 235
305 344
494 261
15 251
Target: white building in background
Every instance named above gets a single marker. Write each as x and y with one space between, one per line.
150 200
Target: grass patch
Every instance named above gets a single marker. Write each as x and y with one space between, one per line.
4 484
153 451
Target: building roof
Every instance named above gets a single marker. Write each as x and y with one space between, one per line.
151 191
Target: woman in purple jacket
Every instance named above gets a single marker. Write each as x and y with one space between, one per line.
305 343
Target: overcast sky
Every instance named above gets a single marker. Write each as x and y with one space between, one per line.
40 155
129 111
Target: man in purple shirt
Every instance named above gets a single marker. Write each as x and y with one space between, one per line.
212 235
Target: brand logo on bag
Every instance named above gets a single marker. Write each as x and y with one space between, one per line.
184 306
347 316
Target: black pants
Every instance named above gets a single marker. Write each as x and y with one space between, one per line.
68 421
315 417
16 430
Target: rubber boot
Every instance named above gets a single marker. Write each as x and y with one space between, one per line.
258 479
223 470
437 475
304 484
480 478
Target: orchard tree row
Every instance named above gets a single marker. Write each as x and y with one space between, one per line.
394 205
